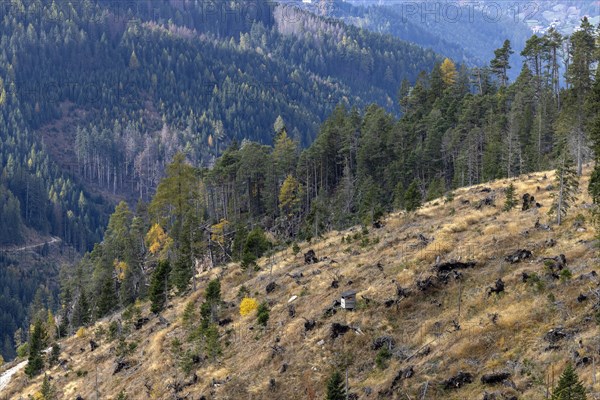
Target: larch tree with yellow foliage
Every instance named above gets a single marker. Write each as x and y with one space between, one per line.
290 198
158 242
448 70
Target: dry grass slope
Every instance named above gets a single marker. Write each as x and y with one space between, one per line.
451 327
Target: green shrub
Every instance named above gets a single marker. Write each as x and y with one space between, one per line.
262 314
81 373
382 358
565 275
296 248
335 387
536 282
113 330
23 350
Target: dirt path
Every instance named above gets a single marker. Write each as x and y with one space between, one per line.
8 374
33 246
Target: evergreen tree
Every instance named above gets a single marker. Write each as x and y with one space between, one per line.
262 314
36 345
255 246
175 203
579 77
511 201
412 197
54 355
159 286
569 386
567 183
501 64
48 391
335 387
212 347
81 313
593 109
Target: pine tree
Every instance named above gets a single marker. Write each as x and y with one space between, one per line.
511 200
36 344
579 77
501 64
593 109
159 286
335 387
569 386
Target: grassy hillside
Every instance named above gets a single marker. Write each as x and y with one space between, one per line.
530 331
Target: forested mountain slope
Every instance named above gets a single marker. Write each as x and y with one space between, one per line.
459 127
498 300
97 96
467 32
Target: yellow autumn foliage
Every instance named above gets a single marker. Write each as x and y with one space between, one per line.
158 241
248 305
120 268
290 195
80 332
448 70
218 231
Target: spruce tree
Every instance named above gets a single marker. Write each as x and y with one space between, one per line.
262 314
48 391
511 200
213 298
335 387
412 197
567 183
569 386
36 344
159 286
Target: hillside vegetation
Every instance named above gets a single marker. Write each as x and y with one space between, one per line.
436 317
